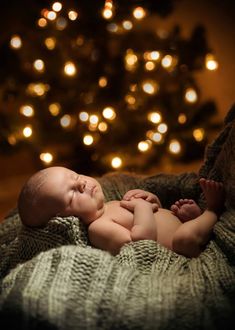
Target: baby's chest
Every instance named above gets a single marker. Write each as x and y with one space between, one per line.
120 215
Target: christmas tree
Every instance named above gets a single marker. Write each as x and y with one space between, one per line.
87 85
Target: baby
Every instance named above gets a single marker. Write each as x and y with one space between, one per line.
58 191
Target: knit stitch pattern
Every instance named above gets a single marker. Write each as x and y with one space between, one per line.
52 278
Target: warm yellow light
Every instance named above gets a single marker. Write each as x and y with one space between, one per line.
162 128
167 61
54 109
154 117
139 13
198 134
12 139
57 6
152 56
130 60
191 95
149 87
127 25
156 137
16 42
112 27
37 89
116 162
130 99
174 146
61 23
88 139
80 40
73 15
42 22
149 66
65 121
102 127
94 119
39 65
70 68
211 63
27 110
27 131
182 118
46 157
83 116
109 113
50 43
51 15
107 13
103 81
143 146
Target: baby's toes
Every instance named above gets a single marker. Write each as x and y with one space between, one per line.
174 208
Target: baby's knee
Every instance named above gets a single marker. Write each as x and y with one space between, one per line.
186 242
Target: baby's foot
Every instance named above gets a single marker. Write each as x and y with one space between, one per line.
214 194
186 209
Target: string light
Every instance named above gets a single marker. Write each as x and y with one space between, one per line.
27 131
54 109
15 42
94 119
174 146
144 146
116 162
191 95
51 15
65 121
57 6
149 87
107 12
109 113
61 23
167 61
42 22
182 118
162 128
83 116
127 25
39 65
37 89
211 63
72 15
149 66
131 60
27 110
139 13
154 117
12 139
88 139
50 43
70 69
152 56
130 99
198 134
102 127
46 157
103 81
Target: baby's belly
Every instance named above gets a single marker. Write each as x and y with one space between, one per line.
166 225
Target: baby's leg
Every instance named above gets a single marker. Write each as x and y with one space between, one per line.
190 238
186 209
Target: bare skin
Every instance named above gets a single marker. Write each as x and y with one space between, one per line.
138 216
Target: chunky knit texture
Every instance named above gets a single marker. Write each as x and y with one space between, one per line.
52 278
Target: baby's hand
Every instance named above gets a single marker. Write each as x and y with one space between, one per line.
139 193
131 204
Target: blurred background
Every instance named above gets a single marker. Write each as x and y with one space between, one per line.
100 86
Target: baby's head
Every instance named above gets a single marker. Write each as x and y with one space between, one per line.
59 191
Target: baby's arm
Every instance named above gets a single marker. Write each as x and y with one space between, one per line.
144 226
139 193
108 235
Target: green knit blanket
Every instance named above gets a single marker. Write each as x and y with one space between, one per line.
52 278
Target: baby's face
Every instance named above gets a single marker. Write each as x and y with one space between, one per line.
74 194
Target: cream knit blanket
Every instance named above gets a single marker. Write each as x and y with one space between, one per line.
52 278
